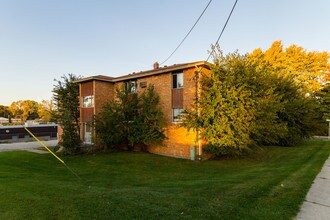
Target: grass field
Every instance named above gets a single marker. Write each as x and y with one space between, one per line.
270 184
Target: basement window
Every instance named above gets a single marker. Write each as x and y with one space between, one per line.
88 101
177 80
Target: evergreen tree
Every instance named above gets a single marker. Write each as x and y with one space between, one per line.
66 101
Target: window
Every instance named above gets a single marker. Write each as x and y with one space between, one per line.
88 101
177 80
131 86
177 114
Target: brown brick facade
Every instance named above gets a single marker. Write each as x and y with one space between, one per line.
86 114
103 93
178 140
178 143
162 84
86 88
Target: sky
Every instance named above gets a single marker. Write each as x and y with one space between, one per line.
42 40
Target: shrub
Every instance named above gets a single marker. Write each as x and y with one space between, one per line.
130 120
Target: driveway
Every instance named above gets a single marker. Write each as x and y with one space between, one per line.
26 145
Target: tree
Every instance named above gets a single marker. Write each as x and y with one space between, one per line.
324 96
306 68
237 103
4 111
130 119
16 109
246 102
66 101
325 102
299 77
46 110
301 113
26 109
149 124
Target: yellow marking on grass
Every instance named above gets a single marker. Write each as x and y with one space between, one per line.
42 144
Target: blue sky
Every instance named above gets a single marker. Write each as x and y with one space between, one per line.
41 40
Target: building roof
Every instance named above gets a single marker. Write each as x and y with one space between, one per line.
98 77
156 71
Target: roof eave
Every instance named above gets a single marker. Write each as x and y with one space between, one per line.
161 70
142 74
92 78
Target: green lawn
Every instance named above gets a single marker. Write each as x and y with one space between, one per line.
270 184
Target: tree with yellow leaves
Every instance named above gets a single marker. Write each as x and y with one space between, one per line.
46 110
24 110
305 68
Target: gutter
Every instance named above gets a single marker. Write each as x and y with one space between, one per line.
142 74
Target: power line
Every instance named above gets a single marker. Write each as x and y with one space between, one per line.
223 29
187 33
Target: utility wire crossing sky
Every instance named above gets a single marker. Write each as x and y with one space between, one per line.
187 33
43 40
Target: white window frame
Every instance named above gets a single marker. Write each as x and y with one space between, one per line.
87 101
133 86
177 114
178 85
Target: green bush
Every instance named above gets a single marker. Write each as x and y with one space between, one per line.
130 120
244 104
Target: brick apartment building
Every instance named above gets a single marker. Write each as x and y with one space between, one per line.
176 87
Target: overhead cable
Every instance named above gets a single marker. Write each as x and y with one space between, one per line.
223 29
187 33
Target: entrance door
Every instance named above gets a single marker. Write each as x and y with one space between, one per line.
87 133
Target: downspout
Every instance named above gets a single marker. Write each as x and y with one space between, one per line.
198 111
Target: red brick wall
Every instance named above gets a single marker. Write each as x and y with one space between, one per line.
178 143
103 93
189 91
163 86
59 133
179 140
86 114
87 88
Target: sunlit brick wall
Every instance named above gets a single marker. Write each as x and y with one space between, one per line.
178 140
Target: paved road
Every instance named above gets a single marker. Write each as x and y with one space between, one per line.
317 201
26 145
